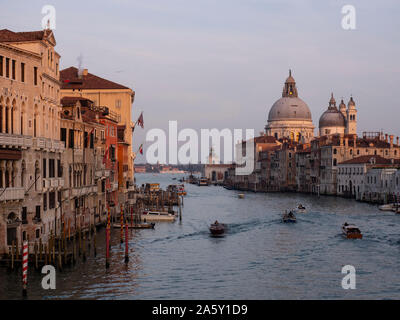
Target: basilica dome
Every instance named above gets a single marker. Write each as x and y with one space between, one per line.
289 108
332 118
290 117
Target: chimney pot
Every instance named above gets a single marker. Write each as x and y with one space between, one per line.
85 72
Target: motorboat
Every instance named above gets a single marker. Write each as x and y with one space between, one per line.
389 207
142 225
158 216
203 181
241 195
217 229
300 209
289 217
350 231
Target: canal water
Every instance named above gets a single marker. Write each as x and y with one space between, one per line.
259 258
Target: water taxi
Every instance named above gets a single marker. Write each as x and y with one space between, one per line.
203 181
350 231
158 216
389 206
289 217
217 229
301 209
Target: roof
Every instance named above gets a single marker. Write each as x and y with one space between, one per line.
68 101
371 159
11 36
70 80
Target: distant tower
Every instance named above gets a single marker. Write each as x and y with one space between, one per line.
342 109
351 117
212 157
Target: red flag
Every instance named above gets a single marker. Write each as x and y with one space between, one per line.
141 149
140 120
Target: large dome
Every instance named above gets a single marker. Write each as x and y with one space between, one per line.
332 118
289 108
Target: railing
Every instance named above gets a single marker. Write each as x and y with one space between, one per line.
12 194
13 140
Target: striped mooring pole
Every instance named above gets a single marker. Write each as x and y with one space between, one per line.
25 269
121 222
108 239
131 216
126 243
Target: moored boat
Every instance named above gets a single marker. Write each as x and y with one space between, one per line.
389 206
158 216
217 229
203 181
241 195
143 225
350 231
289 217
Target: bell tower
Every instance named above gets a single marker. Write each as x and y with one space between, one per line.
351 117
289 89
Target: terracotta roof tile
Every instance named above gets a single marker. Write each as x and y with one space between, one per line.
373 159
70 80
10 36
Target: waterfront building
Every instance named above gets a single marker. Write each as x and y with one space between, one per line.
290 117
83 198
303 168
368 178
118 98
31 166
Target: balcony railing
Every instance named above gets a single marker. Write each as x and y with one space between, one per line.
15 141
10 194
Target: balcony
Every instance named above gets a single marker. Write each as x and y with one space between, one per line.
15 141
12 194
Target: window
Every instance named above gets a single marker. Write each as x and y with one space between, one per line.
13 69
22 72
24 215
7 67
71 139
335 151
44 168
1 65
52 200
63 135
59 169
44 201
37 212
35 82
37 233
52 169
118 103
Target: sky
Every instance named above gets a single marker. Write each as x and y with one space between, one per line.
222 63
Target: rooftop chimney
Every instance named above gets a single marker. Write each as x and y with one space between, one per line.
85 72
391 140
386 137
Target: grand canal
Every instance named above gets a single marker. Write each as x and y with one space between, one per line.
259 258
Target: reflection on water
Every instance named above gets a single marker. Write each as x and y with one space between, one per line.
259 257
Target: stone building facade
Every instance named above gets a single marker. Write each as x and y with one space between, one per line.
30 148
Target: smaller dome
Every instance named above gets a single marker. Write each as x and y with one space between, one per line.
332 118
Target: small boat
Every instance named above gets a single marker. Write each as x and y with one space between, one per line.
301 209
217 229
350 231
241 195
158 216
389 206
289 217
181 190
203 181
143 225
